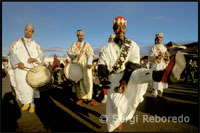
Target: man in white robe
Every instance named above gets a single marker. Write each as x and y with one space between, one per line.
82 53
119 70
158 56
21 62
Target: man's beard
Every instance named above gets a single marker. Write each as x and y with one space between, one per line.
119 41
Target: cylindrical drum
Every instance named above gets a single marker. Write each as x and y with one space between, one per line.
40 78
73 72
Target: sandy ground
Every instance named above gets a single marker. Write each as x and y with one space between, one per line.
56 111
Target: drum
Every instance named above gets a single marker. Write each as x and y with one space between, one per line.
40 78
73 72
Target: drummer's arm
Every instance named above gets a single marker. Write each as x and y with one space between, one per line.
152 55
14 60
90 59
40 58
103 71
41 55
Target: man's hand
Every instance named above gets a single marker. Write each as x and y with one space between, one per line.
89 66
123 86
30 60
77 56
21 65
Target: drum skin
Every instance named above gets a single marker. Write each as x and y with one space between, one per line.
73 72
39 77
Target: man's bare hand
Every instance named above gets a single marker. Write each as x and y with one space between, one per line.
89 66
122 87
21 65
77 55
31 60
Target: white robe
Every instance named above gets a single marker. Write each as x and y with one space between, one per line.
18 53
158 66
85 89
124 104
12 78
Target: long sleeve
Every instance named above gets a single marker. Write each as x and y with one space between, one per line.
41 55
152 54
103 71
90 59
130 67
14 60
72 50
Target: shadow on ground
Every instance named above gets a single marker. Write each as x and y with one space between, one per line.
10 113
56 119
173 108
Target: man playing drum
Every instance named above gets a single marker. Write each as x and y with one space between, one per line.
82 53
22 58
119 69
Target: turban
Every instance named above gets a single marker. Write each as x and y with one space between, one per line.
120 20
160 34
80 32
30 26
112 36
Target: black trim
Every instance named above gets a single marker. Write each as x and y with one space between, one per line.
103 71
129 68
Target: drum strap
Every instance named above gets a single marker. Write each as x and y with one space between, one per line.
25 46
82 50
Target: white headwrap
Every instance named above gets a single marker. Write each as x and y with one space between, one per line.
80 32
112 36
30 26
160 34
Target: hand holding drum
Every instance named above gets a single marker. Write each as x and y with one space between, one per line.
31 60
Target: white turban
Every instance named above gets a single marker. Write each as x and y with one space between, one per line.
30 26
160 34
80 32
112 36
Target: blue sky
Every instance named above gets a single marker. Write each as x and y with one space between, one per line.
56 22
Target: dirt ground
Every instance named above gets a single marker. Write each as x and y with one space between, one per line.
56 111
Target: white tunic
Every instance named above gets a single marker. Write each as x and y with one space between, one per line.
85 88
158 66
18 53
124 104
